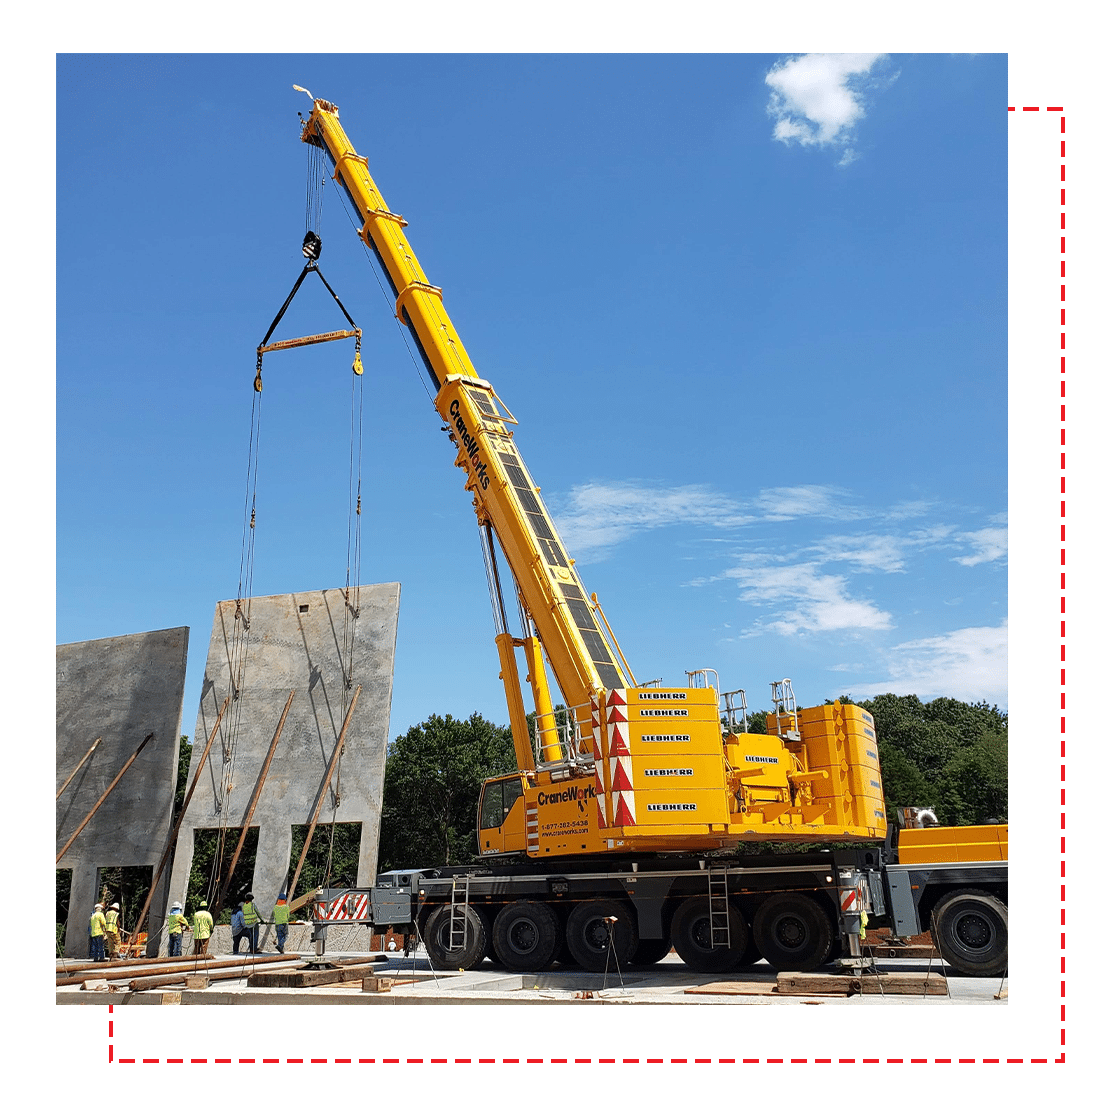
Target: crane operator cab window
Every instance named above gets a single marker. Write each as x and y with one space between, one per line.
498 798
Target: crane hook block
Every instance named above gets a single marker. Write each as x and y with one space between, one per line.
257 382
357 365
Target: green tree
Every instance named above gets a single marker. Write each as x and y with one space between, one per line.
181 776
949 755
432 785
975 782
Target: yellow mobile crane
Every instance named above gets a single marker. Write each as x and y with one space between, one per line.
624 776
626 767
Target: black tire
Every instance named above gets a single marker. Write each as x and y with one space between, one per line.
526 936
588 933
792 932
437 937
970 929
651 952
691 933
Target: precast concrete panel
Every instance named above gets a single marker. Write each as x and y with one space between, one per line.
319 646
117 690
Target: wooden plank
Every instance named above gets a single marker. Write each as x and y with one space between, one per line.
867 983
744 989
303 979
905 951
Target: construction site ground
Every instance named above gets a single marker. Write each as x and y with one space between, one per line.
412 980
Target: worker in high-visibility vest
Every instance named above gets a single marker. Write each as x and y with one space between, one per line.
112 935
97 929
252 921
204 926
177 925
281 918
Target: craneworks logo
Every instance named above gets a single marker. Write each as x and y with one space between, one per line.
481 471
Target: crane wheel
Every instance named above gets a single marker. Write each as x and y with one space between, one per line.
526 936
792 932
970 929
692 935
594 928
446 946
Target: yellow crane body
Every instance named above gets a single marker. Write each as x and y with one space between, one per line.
618 766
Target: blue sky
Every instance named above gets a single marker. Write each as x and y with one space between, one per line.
750 313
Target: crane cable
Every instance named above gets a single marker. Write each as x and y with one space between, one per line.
239 645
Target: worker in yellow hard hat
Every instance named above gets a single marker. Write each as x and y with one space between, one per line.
112 935
97 929
204 926
177 925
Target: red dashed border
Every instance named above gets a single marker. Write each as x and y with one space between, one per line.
1060 1060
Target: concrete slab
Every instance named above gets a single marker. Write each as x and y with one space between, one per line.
314 644
116 689
670 982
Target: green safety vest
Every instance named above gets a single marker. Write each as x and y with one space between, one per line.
204 925
251 917
281 914
97 925
176 923
111 918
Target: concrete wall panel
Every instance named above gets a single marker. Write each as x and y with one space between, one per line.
308 642
117 689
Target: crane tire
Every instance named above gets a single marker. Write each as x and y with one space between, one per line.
691 934
437 936
588 934
792 932
526 936
970 929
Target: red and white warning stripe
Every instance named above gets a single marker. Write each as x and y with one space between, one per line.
533 830
622 776
343 907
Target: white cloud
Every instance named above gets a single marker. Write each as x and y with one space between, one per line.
818 98
596 517
989 544
969 664
820 600
800 501
882 553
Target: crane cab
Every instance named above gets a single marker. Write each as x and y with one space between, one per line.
501 817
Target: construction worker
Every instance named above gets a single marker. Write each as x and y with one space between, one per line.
237 929
204 926
177 925
252 922
281 918
113 938
97 929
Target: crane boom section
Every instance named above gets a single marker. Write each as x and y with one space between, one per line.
505 497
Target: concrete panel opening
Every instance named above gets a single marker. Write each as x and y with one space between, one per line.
333 856
64 888
214 849
129 886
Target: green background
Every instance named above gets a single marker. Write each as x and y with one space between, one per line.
1046 69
